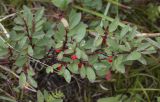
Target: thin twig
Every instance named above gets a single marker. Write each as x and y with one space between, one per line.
7 16
8 70
118 4
4 31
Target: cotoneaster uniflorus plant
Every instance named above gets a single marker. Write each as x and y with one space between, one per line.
71 46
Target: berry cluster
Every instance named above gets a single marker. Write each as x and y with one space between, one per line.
110 59
80 64
57 51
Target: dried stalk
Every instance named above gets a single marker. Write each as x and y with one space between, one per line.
149 35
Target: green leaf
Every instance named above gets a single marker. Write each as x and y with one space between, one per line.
105 23
38 28
134 56
81 54
114 25
98 41
83 72
62 4
68 51
113 44
59 45
31 71
40 97
100 31
67 59
82 43
149 50
22 42
143 46
49 69
102 72
124 48
32 81
20 61
120 68
84 56
19 21
3 44
39 14
78 32
90 74
60 55
73 68
18 28
124 31
38 35
16 37
93 59
118 64
132 33
67 75
28 16
30 50
39 52
3 51
128 46
78 52
74 19
56 65
81 32
153 42
60 34
39 25
22 80
142 60
99 66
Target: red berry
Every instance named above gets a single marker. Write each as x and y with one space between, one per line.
58 50
79 65
74 57
110 57
59 67
110 61
108 75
